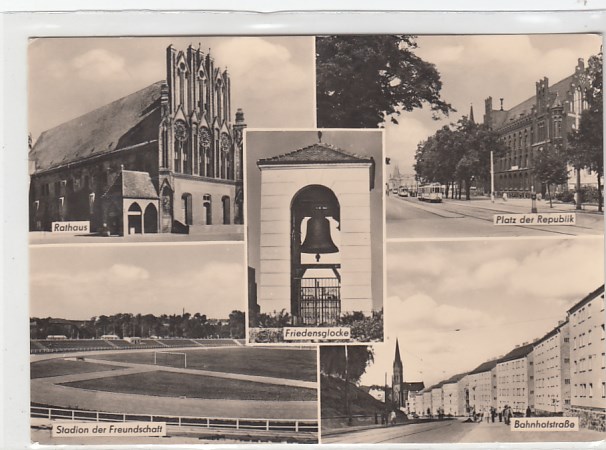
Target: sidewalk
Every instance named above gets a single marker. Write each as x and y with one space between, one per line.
499 432
524 205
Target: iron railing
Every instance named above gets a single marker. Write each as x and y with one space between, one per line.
319 301
295 425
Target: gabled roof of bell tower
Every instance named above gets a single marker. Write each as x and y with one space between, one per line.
319 153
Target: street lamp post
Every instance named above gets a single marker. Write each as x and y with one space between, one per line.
533 198
347 405
492 176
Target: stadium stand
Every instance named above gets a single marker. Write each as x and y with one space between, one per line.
215 342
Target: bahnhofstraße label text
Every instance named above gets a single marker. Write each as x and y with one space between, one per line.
545 424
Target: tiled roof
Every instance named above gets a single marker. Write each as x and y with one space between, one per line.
557 91
587 299
517 353
137 185
413 385
319 153
485 367
126 122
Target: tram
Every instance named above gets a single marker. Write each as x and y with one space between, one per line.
430 192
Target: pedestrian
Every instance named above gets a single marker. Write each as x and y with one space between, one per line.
493 413
504 196
528 411
392 417
508 414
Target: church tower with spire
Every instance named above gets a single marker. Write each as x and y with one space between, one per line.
397 380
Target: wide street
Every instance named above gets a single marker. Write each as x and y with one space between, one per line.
410 218
454 431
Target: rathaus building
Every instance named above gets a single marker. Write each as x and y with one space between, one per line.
164 159
540 123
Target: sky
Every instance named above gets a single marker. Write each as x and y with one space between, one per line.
473 68
454 305
79 282
263 144
272 78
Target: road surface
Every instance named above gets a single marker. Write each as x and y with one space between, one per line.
411 218
454 431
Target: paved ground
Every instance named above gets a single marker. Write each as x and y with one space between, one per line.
455 431
411 218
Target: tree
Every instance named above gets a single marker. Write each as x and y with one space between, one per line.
461 154
550 168
332 361
236 324
585 144
363 80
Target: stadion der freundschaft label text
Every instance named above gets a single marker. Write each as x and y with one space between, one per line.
78 429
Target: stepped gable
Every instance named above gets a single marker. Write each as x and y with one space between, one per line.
319 153
556 91
124 123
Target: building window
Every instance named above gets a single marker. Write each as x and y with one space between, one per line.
91 203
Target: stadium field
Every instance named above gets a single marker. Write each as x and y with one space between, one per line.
170 384
292 364
60 366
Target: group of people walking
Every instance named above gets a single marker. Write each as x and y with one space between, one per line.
491 414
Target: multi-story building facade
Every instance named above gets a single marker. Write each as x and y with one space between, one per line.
551 355
164 159
540 123
437 400
427 406
480 387
588 362
515 379
450 396
463 395
416 403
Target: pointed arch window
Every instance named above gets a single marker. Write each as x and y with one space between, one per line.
225 156
180 140
205 140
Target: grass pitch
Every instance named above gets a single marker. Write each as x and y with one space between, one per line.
169 384
279 363
57 367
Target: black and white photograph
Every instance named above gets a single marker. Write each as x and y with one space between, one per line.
140 139
152 334
480 130
314 206
478 333
336 239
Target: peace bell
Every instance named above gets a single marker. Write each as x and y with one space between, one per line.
318 239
